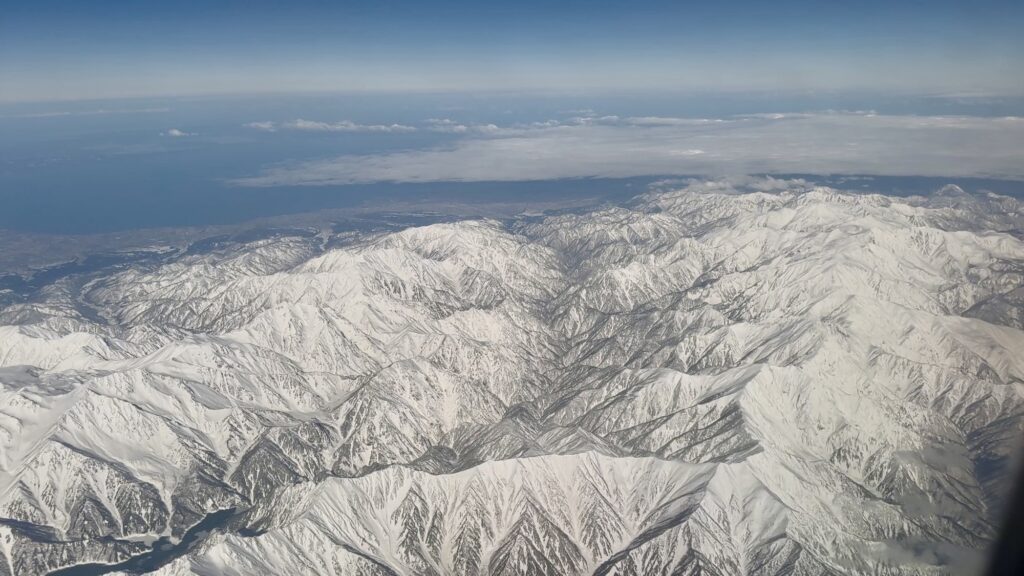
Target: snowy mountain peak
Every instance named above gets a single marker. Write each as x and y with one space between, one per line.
757 376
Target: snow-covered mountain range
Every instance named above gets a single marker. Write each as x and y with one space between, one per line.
757 376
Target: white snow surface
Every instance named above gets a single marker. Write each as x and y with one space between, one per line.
753 376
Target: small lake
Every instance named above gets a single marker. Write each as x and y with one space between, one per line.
163 551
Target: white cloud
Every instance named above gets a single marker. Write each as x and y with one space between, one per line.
824 143
340 126
583 120
175 133
449 126
97 112
740 184
661 121
446 125
265 126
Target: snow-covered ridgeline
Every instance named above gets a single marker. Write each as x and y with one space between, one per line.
713 379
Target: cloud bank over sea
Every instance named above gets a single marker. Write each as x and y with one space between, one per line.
614 147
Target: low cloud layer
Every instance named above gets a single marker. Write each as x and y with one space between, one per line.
340 126
175 133
609 146
97 112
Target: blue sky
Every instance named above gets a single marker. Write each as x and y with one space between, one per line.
107 49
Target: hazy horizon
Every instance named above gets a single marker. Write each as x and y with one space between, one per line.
60 49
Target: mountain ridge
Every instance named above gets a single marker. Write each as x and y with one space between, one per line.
833 361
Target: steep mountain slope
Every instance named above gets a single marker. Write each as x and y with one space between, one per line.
762 377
